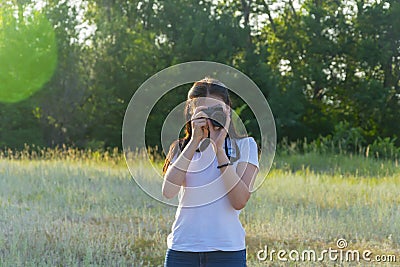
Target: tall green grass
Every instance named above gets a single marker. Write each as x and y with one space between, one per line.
83 209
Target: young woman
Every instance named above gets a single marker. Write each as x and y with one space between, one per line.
213 169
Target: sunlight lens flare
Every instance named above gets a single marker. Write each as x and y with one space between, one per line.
28 53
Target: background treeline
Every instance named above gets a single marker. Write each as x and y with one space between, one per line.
329 69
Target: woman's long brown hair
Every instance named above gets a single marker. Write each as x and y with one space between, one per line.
203 88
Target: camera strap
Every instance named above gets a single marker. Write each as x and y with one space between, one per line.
227 149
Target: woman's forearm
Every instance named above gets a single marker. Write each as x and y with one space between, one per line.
176 172
239 193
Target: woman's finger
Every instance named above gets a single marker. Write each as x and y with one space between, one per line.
205 131
201 119
201 122
199 108
201 126
227 123
199 114
228 120
227 110
209 123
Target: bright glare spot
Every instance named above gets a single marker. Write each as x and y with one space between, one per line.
284 67
28 53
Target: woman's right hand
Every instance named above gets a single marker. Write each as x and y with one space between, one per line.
199 124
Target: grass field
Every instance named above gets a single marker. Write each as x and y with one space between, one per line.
86 212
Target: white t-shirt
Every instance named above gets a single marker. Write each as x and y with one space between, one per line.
205 220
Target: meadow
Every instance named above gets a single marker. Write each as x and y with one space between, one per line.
71 208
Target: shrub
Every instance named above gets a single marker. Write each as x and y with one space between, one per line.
384 148
348 138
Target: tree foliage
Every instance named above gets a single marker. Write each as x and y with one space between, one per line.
321 64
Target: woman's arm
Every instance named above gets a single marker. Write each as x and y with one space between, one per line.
240 180
237 181
176 173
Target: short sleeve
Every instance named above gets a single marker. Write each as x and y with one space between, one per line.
248 151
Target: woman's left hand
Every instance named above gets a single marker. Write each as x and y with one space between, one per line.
221 133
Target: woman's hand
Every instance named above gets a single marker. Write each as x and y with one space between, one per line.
219 132
199 124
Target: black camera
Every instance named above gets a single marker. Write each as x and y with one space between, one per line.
217 115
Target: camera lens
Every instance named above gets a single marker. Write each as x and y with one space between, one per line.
218 118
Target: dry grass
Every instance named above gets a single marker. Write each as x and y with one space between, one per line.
79 210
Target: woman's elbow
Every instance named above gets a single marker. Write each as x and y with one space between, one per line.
168 190
166 193
240 204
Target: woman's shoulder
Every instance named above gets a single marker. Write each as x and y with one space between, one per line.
248 150
247 145
247 140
